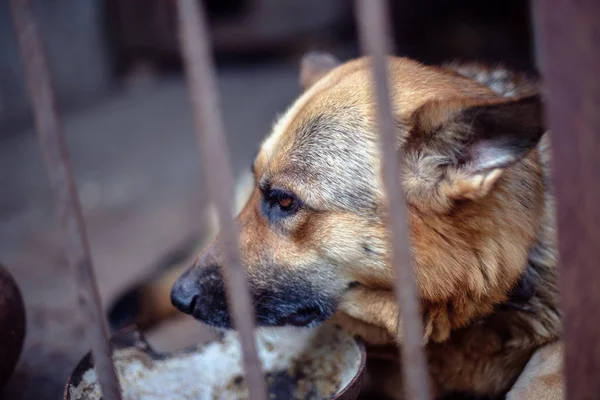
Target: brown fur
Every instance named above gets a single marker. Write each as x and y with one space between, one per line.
481 215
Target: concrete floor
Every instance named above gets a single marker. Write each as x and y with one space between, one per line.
138 174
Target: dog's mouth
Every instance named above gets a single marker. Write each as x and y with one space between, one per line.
309 314
306 314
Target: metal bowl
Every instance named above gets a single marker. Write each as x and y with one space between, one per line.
131 338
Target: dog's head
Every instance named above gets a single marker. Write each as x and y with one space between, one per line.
314 227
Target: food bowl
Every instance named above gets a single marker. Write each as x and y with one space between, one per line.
322 363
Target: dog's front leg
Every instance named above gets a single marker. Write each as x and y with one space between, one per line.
379 308
373 307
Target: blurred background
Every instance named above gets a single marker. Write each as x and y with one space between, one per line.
124 106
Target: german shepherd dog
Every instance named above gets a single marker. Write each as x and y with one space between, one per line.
473 156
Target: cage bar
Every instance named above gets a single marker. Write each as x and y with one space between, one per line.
568 48
219 179
374 34
54 149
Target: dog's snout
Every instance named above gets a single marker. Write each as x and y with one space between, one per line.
184 296
200 292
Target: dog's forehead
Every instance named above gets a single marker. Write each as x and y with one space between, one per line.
325 139
332 110
339 97
344 98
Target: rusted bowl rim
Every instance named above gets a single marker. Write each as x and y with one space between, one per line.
132 337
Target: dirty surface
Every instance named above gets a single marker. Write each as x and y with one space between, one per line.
138 174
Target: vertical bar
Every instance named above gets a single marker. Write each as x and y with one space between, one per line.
374 34
219 179
568 36
56 157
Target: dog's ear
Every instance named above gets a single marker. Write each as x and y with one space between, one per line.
314 65
479 140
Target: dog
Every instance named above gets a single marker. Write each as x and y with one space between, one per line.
474 162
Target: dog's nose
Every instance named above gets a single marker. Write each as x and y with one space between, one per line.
184 296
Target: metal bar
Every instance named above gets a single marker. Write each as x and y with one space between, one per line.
568 37
374 34
219 179
52 141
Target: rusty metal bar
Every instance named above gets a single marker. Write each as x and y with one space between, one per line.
52 141
374 34
568 36
219 179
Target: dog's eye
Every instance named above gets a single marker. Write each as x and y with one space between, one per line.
285 201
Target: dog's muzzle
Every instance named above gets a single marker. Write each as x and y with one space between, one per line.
203 296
